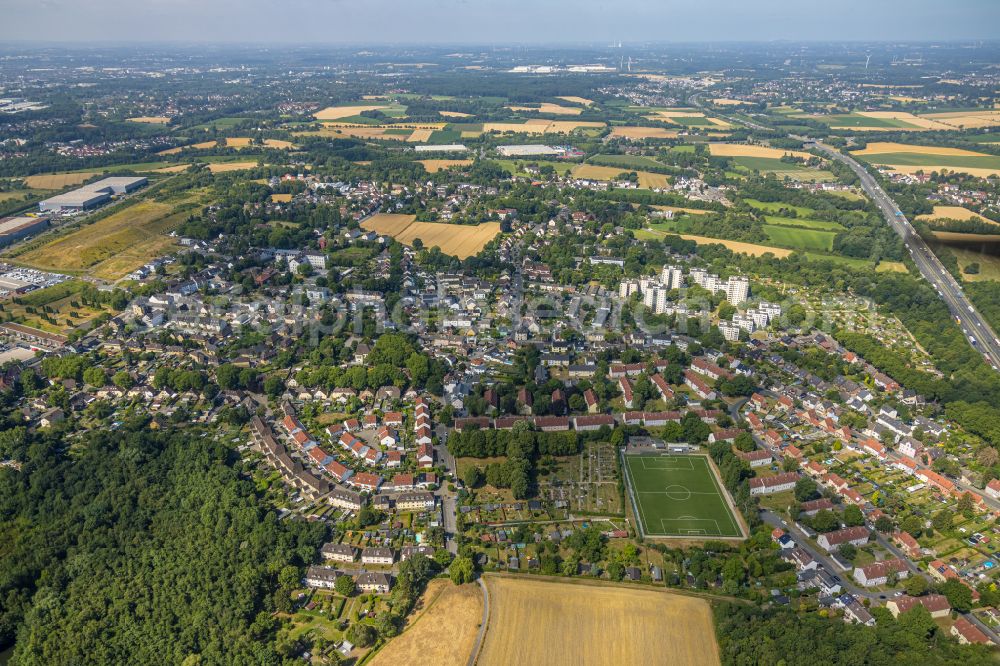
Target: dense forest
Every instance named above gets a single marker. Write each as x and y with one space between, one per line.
140 547
749 635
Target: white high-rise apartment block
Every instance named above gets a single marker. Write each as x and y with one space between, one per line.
737 289
672 277
744 322
655 299
760 318
627 288
773 310
729 331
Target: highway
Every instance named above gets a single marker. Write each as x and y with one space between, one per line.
977 331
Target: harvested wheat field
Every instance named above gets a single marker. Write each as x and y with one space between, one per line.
338 112
177 168
636 132
575 100
454 114
236 142
881 147
223 167
540 126
420 136
57 181
554 109
923 123
433 166
647 179
152 120
736 246
458 240
747 150
723 101
679 209
978 172
953 213
967 119
444 631
554 623
281 198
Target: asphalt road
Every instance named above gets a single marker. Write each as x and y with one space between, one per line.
977 332
847 582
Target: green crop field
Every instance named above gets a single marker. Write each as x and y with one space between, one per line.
679 496
803 223
855 120
693 121
801 239
781 169
628 161
926 159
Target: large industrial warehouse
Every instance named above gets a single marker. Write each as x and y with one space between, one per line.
92 195
13 229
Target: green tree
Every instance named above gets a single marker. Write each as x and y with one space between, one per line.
959 596
344 585
462 570
472 476
915 586
122 379
95 376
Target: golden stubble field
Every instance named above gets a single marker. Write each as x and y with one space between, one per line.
57 181
647 179
953 213
554 109
458 240
433 166
747 150
444 631
553 623
637 132
338 112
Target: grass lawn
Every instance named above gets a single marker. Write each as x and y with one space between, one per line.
803 239
219 123
775 206
679 495
804 223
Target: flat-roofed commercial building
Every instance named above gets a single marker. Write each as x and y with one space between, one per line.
13 229
92 195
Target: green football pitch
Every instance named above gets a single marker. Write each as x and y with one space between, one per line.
679 496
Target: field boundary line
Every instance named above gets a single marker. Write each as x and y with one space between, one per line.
639 519
599 582
477 649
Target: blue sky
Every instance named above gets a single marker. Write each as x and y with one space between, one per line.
496 21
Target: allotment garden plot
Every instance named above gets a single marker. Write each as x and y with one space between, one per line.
680 496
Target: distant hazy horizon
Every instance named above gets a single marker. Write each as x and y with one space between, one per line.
538 22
